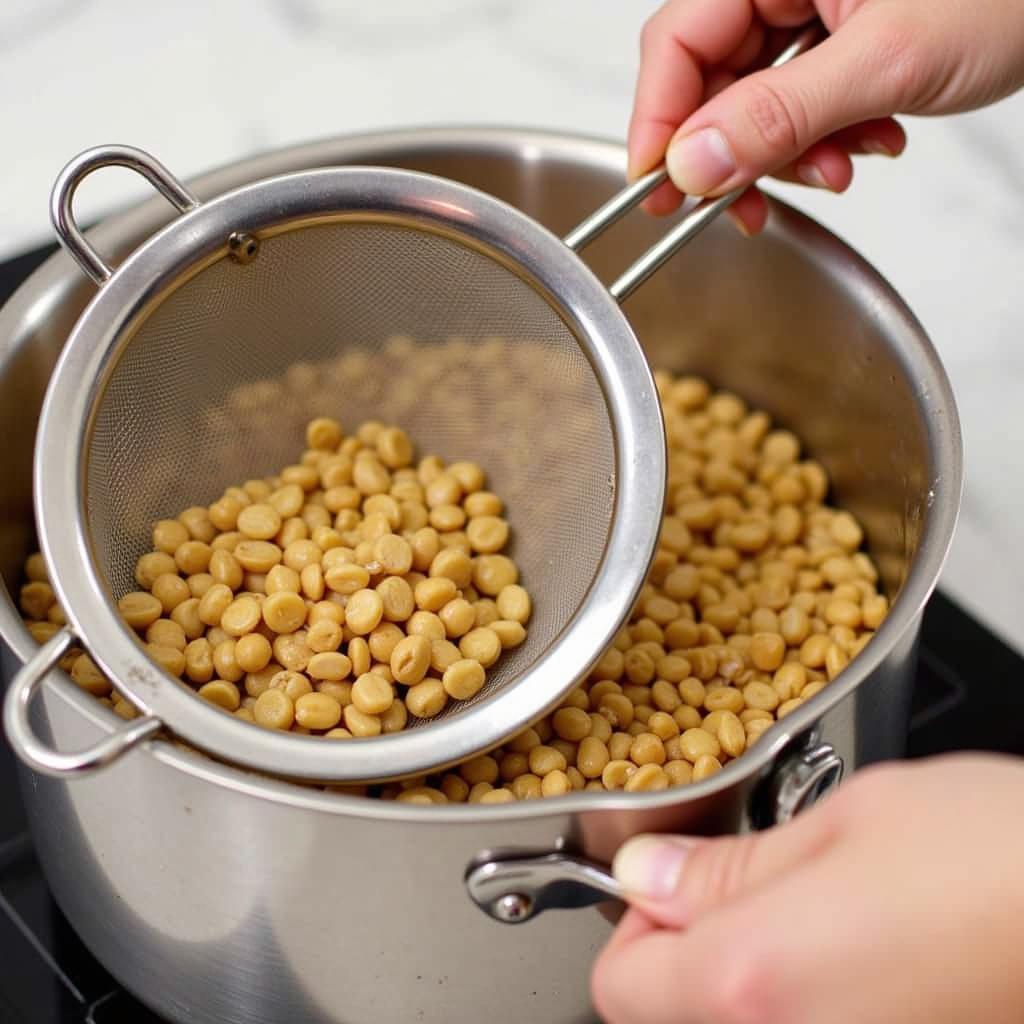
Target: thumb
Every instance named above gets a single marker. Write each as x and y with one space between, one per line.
765 121
675 879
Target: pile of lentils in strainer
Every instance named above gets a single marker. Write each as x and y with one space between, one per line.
362 587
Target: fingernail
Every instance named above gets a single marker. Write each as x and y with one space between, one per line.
876 147
700 162
650 866
740 226
811 175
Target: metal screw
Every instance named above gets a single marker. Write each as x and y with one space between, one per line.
512 907
243 247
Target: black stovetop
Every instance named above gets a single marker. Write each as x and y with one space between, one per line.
969 695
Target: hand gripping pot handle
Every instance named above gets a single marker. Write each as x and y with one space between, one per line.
31 749
515 888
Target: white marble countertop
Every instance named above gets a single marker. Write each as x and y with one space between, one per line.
201 83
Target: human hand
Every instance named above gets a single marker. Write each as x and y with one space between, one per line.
897 900
803 121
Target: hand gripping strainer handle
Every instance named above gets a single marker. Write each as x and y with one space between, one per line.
694 221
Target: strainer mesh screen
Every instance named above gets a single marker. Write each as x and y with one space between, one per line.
359 321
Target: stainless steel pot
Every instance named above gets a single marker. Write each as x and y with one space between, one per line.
221 896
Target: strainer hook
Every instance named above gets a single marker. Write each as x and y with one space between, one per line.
78 169
37 754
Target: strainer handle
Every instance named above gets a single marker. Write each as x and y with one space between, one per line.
698 218
63 218
37 754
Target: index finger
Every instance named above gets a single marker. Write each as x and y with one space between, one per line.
676 44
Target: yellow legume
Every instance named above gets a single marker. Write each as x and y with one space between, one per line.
252 652
617 773
731 734
695 743
317 711
223 694
705 766
481 645
166 633
274 709
372 694
464 679
241 616
140 609
544 759
329 666
88 676
554 783
647 748
214 603
725 698
169 589
397 602
646 778
426 699
359 723
592 757
36 598
432 594
295 684
257 555
509 633
364 611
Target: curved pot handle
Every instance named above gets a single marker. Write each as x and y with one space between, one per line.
32 750
63 218
515 888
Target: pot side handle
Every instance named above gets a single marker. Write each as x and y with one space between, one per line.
37 754
515 888
63 219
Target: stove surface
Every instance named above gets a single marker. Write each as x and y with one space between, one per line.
968 696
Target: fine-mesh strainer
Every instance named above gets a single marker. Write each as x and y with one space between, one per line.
357 293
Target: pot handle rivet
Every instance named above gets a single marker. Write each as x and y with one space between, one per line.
513 889
32 750
803 780
63 218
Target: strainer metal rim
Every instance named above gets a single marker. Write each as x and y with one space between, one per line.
198 238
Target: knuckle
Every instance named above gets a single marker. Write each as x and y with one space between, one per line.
865 794
787 11
656 26
603 990
778 118
745 991
725 866
900 59
650 31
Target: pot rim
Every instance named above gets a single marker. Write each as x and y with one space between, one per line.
913 350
